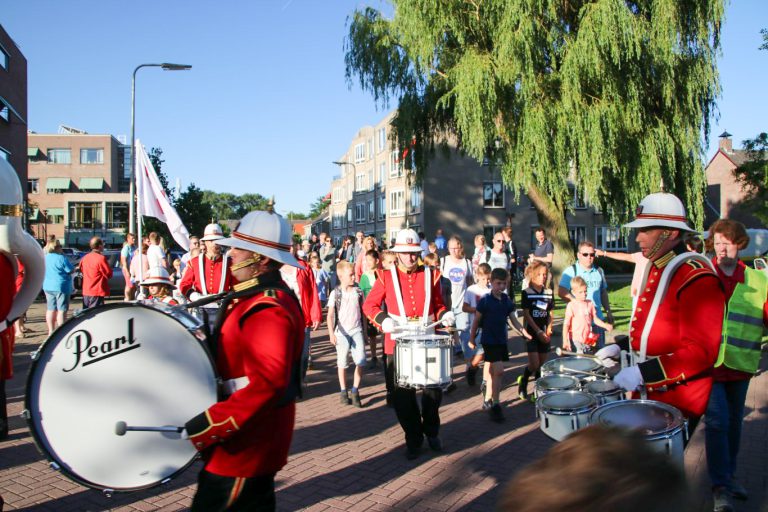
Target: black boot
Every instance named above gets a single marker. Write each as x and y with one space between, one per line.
522 384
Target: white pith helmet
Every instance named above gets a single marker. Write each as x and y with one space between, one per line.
158 275
212 232
660 210
264 233
407 240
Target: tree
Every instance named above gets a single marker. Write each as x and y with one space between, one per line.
194 210
319 206
230 206
753 177
615 95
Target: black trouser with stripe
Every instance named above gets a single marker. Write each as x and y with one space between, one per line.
219 493
416 424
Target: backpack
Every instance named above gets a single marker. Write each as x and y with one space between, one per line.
337 302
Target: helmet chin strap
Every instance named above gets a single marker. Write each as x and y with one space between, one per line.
663 237
246 263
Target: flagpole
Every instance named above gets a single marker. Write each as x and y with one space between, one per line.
139 192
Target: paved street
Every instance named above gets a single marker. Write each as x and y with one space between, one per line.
344 458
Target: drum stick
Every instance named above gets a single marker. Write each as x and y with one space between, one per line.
591 374
561 352
122 427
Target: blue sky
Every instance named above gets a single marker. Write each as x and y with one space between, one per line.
265 108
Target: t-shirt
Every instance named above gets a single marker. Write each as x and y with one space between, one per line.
366 281
349 317
155 256
539 304
472 296
498 260
457 273
321 279
494 321
595 284
578 319
127 253
544 249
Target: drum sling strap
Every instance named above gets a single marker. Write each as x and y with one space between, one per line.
267 282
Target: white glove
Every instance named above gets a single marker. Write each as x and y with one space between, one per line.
387 326
608 351
194 296
629 378
183 434
608 363
448 319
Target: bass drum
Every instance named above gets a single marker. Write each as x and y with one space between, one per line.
139 364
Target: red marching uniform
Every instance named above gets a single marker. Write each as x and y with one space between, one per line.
7 292
249 433
210 283
413 293
685 335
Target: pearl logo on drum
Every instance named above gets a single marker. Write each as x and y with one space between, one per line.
86 351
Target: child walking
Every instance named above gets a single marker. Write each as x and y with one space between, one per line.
491 315
580 314
474 293
366 283
322 279
538 301
347 330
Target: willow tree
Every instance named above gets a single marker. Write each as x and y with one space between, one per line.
613 95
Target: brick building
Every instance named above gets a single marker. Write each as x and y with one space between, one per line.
13 105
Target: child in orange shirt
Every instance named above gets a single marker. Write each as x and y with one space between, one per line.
580 314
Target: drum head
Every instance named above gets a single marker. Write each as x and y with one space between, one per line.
645 416
602 387
121 363
557 382
566 401
582 364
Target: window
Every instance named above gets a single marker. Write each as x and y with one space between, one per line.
54 216
85 215
117 216
360 213
371 211
382 207
33 186
59 156
4 112
415 200
397 203
360 184
489 230
577 234
395 168
371 178
4 58
359 153
578 201
370 149
493 194
393 236
349 216
610 238
92 156
338 195
382 173
337 218
382 139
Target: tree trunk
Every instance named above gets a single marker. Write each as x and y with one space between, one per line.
552 219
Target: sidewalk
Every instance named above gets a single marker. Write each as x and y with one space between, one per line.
343 458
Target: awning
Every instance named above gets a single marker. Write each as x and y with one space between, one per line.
91 184
58 184
33 215
54 211
34 152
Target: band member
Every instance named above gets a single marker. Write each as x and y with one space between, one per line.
412 294
14 241
209 273
675 329
160 287
245 438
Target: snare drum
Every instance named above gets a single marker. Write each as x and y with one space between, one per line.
575 363
605 391
423 361
555 382
662 425
564 412
139 364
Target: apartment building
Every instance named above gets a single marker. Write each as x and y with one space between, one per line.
78 186
373 194
13 105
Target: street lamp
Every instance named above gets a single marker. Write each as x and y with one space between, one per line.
167 66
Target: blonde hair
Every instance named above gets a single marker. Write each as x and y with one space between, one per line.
533 267
344 265
578 282
52 245
431 259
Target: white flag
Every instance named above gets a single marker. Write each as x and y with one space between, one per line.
152 201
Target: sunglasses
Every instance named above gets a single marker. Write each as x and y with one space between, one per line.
498 241
588 254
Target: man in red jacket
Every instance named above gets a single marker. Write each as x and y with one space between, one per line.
209 273
412 293
245 437
7 292
96 274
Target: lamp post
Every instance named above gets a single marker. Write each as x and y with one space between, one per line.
167 66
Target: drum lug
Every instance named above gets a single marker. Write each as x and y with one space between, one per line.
34 355
25 414
54 466
107 492
165 481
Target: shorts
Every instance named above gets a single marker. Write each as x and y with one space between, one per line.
128 282
345 345
495 352
537 346
57 301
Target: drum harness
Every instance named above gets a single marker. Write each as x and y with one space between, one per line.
265 284
661 291
201 273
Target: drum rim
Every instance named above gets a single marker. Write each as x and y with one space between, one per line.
616 391
679 425
29 416
558 411
575 382
559 360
